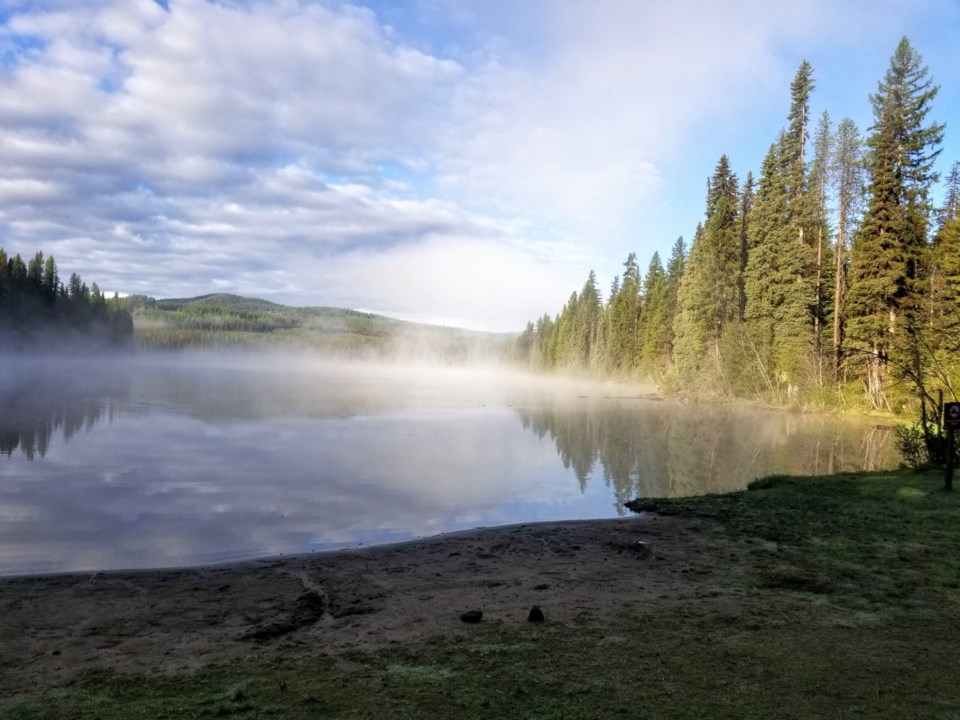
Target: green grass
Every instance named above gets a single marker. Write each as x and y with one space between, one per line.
832 598
881 541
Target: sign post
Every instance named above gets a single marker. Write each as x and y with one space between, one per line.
951 421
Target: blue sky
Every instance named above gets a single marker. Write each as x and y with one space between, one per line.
457 161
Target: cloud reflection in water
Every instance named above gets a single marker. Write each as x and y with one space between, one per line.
187 462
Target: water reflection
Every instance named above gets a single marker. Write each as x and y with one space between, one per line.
644 448
174 461
43 399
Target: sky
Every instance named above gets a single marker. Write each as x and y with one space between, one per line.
460 162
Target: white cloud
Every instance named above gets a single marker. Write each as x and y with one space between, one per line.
466 160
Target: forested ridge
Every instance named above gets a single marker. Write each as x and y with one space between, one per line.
224 321
38 311
830 279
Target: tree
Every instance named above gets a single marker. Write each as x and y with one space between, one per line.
818 179
746 207
586 322
75 287
765 280
847 177
624 309
887 271
35 271
709 293
944 295
51 280
655 332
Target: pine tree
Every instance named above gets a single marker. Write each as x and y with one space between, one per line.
887 272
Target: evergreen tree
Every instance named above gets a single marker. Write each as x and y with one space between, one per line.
4 277
625 319
75 287
847 174
795 319
51 280
35 272
822 149
746 207
561 351
944 313
709 296
694 323
675 269
782 307
887 271
656 332
765 280
586 323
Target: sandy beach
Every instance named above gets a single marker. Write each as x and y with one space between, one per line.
55 628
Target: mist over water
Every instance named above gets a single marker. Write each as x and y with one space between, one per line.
167 460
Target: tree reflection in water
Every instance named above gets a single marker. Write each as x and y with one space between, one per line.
40 400
645 448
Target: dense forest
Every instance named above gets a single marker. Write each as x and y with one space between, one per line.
222 321
831 279
38 311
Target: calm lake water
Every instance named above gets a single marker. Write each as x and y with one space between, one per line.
180 460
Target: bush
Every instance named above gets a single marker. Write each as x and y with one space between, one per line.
912 444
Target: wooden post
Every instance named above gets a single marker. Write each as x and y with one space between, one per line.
951 420
948 478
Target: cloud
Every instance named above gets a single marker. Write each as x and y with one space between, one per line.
254 146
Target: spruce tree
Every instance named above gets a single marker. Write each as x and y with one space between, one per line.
887 271
795 320
765 281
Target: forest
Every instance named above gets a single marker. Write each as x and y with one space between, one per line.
830 280
223 321
39 312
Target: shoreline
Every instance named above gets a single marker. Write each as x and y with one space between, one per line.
239 563
789 598
58 627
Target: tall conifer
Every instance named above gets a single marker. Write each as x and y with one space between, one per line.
887 272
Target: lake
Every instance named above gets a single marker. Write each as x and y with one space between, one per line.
160 461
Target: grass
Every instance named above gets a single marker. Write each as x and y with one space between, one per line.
836 597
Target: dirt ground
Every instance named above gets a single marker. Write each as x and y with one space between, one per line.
170 621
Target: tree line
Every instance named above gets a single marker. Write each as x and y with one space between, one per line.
830 279
37 309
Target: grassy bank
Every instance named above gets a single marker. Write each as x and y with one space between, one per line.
828 597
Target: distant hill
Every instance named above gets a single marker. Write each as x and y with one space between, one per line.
231 321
